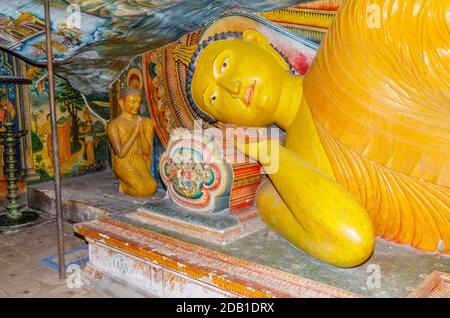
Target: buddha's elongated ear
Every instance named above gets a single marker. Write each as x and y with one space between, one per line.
255 37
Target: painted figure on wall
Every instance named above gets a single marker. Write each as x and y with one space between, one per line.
131 138
63 138
6 106
335 169
89 135
82 136
71 101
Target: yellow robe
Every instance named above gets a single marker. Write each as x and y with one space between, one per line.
378 91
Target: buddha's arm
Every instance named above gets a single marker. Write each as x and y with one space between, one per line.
311 195
121 149
303 139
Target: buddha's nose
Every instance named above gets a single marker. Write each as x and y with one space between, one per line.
233 86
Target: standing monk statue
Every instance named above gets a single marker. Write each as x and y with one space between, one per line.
131 138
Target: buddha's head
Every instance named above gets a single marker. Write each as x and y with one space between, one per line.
130 101
237 78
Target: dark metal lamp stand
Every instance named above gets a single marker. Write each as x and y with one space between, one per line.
14 216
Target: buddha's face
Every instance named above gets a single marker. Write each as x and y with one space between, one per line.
239 81
130 103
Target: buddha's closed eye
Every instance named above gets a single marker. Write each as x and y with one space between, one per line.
221 62
213 97
224 65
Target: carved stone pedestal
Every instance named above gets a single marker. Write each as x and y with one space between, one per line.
156 264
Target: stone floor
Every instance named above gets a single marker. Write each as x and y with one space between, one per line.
22 274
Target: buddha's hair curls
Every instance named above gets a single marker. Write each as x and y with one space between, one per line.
191 68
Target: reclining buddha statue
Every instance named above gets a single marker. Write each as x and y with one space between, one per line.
367 141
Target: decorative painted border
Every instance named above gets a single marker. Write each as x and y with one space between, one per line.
109 263
436 285
267 23
149 216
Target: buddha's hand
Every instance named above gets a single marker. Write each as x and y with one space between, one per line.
265 151
253 142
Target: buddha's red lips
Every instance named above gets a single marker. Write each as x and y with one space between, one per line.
249 94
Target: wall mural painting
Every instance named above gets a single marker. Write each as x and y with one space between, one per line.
82 139
104 35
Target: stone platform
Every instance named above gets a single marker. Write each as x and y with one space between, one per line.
156 261
221 228
159 262
85 197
